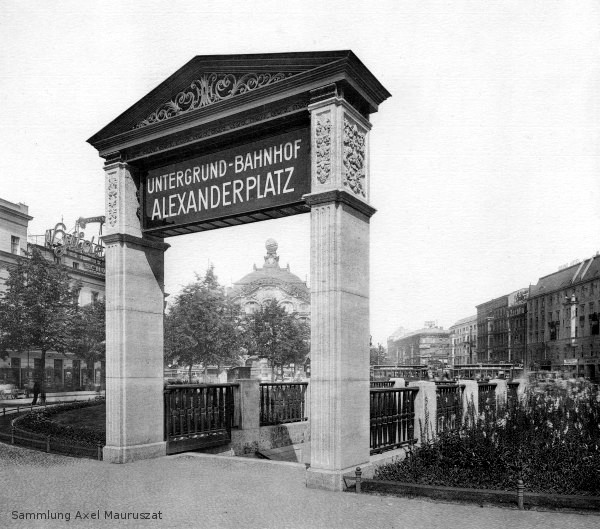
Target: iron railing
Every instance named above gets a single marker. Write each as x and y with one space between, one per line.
392 418
512 393
381 384
486 396
449 406
282 402
198 416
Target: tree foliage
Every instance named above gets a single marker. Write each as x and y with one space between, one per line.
88 332
202 326
37 308
281 338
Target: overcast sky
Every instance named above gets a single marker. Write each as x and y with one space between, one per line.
484 162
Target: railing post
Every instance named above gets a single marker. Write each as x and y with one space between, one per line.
12 434
520 488
501 392
398 382
470 398
99 446
358 479
425 410
249 404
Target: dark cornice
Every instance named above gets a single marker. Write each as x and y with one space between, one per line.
340 196
135 241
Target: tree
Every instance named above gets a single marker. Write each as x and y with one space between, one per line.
37 308
88 332
279 337
377 355
202 326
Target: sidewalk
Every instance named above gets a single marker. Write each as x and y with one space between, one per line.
206 491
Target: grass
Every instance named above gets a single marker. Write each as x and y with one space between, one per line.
93 417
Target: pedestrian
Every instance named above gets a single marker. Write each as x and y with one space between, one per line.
36 392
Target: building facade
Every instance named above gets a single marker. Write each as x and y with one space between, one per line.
563 312
84 260
427 346
268 283
463 341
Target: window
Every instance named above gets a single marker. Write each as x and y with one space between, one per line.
94 297
14 244
75 265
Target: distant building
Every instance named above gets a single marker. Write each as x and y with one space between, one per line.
427 346
563 312
463 341
492 330
84 260
271 282
516 314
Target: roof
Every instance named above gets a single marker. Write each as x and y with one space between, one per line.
271 274
587 270
465 320
426 330
210 87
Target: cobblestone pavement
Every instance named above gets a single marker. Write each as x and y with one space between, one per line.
204 491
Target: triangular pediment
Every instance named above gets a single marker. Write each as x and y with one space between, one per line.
215 81
211 88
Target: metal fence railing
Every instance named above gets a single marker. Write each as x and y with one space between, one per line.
198 415
486 396
392 418
449 406
381 384
283 402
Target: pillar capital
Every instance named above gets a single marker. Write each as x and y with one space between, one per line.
122 206
339 140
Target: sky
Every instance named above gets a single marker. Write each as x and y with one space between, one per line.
484 162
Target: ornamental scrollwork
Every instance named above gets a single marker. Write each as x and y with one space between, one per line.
323 149
207 132
112 200
354 158
209 89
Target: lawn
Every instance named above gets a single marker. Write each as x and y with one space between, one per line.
93 417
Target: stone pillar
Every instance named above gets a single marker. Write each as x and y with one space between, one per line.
399 382
134 326
425 410
340 213
470 398
501 391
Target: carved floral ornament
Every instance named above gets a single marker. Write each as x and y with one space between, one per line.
354 158
209 89
323 148
112 200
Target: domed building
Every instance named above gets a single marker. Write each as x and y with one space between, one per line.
271 282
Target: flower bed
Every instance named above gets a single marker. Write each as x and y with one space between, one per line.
550 440
41 422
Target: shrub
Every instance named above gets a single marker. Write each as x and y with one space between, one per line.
40 422
551 440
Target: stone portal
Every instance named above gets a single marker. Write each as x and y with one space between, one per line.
229 140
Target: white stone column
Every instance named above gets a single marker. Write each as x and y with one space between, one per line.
425 410
134 326
470 398
399 382
339 415
501 391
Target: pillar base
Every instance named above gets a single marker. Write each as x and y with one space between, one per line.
127 454
318 478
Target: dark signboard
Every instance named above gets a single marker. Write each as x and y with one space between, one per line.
270 173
